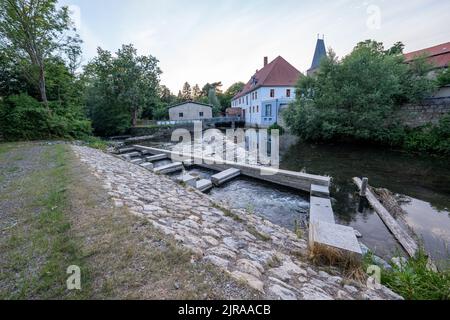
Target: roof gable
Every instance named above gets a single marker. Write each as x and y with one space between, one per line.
188 102
438 55
277 73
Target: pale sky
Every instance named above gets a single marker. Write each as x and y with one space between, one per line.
202 41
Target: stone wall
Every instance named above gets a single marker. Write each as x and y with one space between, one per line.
427 112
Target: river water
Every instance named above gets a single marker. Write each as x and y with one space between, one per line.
424 181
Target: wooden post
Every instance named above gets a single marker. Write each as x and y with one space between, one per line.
365 183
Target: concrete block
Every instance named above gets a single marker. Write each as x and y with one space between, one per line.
334 236
225 176
204 185
169 168
137 161
157 157
321 210
188 179
320 191
188 163
126 150
147 165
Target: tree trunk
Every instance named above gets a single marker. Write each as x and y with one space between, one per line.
42 88
134 116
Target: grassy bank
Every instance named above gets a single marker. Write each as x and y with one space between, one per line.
54 213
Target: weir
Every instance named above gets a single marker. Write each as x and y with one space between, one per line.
295 180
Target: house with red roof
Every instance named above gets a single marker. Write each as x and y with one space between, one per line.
439 57
267 92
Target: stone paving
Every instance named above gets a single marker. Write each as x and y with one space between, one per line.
269 258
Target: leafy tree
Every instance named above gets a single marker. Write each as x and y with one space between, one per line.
214 101
186 93
196 93
35 30
443 77
227 96
119 87
166 96
356 97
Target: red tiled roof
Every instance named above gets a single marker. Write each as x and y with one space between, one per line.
438 55
278 73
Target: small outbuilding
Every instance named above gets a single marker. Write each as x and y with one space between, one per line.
190 110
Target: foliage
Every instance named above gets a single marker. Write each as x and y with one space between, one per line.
119 88
414 281
24 118
276 126
33 31
356 97
443 77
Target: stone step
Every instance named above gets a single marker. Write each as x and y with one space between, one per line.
169 168
225 176
131 155
147 165
126 150
203 185
146 153
320 191
188 163
188 179
157 157
137 161
334 236
321 210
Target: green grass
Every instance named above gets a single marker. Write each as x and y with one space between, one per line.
39 248
413 280
96 143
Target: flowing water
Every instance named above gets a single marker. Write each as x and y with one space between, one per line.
424 181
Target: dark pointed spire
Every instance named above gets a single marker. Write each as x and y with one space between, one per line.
320 53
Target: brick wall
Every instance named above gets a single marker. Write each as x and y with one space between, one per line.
424 113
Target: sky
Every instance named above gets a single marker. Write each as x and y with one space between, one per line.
202 41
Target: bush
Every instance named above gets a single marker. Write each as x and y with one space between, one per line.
24 118
276 126
414 281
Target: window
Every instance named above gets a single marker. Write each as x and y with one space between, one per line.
268 110
246 100
288 93
272 93
201 114
257 109
256 95
181 115
253 109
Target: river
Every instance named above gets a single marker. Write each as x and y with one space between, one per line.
423 180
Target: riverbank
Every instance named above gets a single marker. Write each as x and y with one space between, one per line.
54 213
267 257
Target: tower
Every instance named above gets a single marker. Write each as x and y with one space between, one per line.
319 54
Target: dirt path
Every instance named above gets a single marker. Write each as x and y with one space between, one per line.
54 213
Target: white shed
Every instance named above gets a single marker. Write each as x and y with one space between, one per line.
190 110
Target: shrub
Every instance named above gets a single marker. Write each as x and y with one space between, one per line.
276 126
24 118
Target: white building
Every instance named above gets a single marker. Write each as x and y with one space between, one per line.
268 92
190 110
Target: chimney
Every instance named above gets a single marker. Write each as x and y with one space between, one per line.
266 61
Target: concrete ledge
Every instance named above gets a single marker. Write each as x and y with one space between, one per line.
334 236
225 176
157 157
147 165
295 180
320 191
321 210
204 185
169 168
188 179
137 161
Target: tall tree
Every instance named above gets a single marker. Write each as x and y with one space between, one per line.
196 93
33 30
186 92
120 87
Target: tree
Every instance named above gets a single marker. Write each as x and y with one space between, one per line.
214 101
120 87
443 77
356 97
225 98
33 31
186 93
196 93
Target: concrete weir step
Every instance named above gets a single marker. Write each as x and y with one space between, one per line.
147 165
225 176
188 179
321 210
126 150
157 157
137 161
334 236
203 185
320 191
169 168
